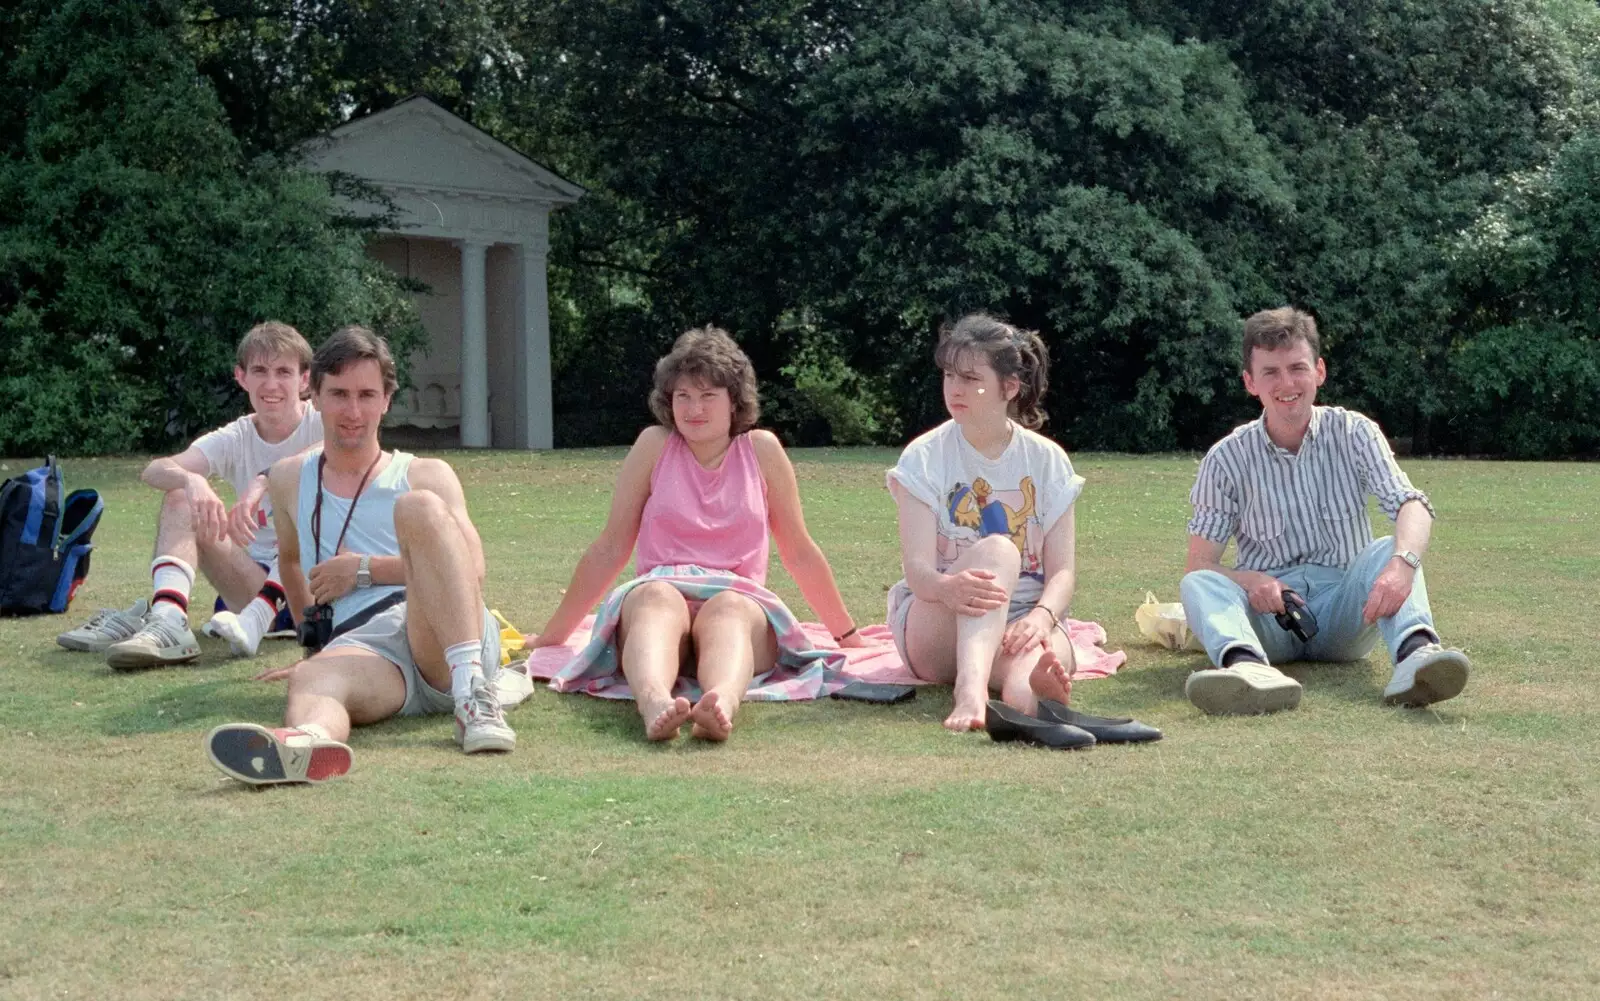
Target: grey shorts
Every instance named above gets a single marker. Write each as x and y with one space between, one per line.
899 613
385 635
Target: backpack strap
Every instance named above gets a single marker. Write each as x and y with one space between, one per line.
44 486
88 522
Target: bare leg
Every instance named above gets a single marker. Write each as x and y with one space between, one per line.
443 604
232 572
175 529
652 641
1041 673
343 687
946 647
733 641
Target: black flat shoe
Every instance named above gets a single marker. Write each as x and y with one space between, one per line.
1005 723
1104 729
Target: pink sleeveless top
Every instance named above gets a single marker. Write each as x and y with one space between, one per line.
712 518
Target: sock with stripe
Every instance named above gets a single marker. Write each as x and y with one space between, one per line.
466 663
173 579
263 608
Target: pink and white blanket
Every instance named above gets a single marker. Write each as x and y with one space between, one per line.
878 661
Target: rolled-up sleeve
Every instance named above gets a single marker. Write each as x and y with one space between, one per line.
1215 498
1381 475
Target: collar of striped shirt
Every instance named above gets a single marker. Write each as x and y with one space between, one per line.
1272 447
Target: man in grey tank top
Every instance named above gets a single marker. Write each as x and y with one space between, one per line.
1309 581
426 646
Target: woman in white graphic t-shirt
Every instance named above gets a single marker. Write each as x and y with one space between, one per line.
987 534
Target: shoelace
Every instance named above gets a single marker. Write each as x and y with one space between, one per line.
113 616
484 705
169 633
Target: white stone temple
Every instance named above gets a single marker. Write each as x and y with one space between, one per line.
473 223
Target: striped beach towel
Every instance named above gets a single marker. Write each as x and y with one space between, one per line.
803 671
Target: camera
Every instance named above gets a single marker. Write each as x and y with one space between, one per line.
1296 616
316 628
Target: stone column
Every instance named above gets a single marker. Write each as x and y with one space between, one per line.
474 345
534 422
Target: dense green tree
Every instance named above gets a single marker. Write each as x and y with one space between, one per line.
831 179
1525 361
137 243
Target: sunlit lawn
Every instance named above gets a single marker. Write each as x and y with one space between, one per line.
831 850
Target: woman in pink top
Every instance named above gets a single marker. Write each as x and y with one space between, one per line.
698 493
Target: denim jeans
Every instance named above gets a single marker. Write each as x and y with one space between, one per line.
1219 612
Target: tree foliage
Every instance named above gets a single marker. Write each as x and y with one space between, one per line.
137 244
833 179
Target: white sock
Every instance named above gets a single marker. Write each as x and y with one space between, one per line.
171 576
466 664
257 618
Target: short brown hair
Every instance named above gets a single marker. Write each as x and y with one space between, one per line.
710 357
353 343
1272 329
272 339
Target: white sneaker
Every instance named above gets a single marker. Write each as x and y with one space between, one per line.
1245 689
107 626
163 639
481 723
1431 674
226 625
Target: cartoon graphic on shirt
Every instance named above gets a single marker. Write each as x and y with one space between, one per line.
980 508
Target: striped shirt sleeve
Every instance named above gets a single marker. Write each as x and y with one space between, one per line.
1215 498
1380 474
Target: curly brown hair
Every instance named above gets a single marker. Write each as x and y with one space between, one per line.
707 356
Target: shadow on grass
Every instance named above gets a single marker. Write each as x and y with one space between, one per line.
183 707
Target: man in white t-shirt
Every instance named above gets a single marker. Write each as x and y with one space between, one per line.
237 550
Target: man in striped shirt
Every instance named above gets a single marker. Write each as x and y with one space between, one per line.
1292 488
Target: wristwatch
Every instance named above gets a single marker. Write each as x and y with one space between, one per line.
1412 559
364 572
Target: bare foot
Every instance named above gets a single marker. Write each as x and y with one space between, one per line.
667 721
711 721
1050 679
964 717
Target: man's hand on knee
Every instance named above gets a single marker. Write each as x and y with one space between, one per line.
1389 592
207 513
245 518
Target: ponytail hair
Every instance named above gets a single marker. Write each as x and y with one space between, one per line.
1010 351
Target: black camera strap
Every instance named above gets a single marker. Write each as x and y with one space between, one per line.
367 614
316 512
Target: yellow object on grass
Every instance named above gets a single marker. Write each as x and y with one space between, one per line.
511 638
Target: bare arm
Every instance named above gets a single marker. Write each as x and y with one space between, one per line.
609 553
175 472
1413 525
1265 591
283 483
799 552
968 592
335 576
242 518
187 471
1060 556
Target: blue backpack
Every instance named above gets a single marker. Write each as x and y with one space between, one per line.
45 542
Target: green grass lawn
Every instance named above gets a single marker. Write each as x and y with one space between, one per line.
831 850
